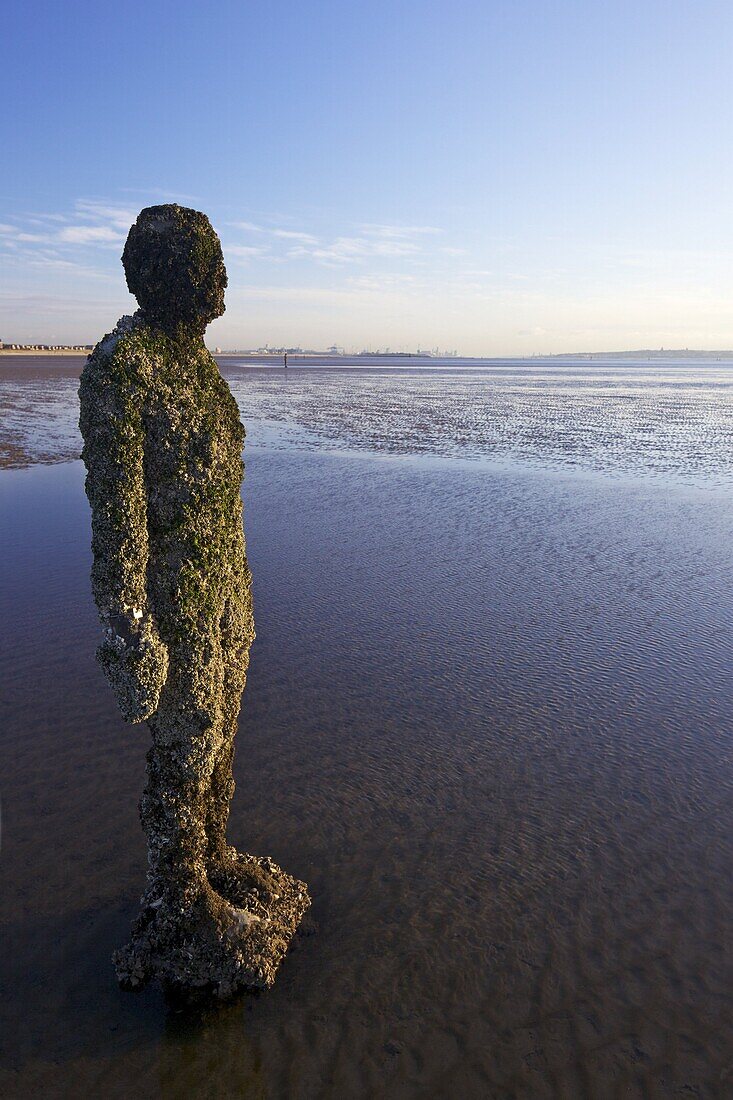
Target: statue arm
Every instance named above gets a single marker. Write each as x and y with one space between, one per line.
132 653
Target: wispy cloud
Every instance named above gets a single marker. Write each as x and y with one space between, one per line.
55 260
371 241
242 251
121 217
276 231
294 235
372 230
42 218
11 233
71 267
249 227
90 234
99 225
280 264
90 224
349 250
368 240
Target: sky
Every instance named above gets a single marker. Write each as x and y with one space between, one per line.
498 178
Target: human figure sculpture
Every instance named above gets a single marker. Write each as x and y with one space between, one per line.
163 451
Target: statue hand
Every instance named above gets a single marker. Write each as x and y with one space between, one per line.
135 660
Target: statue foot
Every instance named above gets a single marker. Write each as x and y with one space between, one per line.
216 945
249 882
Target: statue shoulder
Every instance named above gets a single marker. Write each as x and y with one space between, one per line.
124 357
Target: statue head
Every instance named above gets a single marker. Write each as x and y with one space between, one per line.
174 266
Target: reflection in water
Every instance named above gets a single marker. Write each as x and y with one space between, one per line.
489 719
208 1054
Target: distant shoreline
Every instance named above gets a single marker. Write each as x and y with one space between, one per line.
642 353
62 352
293 357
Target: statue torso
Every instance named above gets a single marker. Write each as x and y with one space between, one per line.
188 422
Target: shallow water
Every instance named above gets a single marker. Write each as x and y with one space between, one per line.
667 420
488 721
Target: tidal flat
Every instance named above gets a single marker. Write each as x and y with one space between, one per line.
487 720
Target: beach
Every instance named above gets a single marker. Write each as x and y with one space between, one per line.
487 720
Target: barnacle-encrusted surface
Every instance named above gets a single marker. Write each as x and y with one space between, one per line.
174 267
163 450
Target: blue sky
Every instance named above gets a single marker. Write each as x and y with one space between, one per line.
500 178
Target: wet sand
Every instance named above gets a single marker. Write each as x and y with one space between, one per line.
672 420
488 722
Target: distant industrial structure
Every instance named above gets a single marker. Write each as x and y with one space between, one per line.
267 350
336 350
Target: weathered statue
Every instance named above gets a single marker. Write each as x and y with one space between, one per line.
163 451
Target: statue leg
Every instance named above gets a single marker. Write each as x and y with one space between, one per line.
186 935
252 884
240 879
236 629
212 920
172 811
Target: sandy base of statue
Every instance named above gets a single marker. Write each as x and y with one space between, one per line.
231 936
